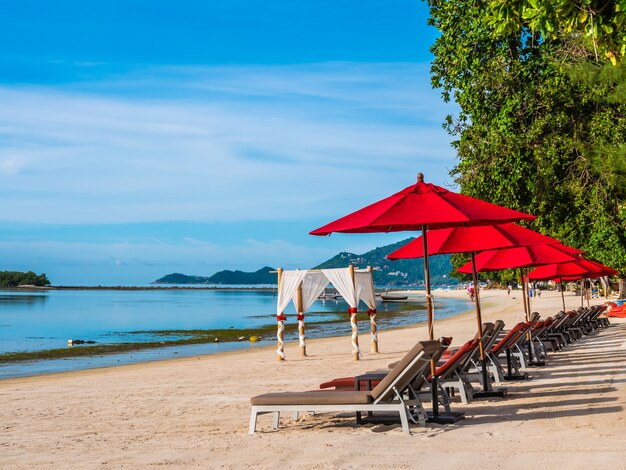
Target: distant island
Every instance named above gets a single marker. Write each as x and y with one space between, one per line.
17 278
262 276
388 273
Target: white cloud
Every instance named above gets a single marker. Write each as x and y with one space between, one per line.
211 144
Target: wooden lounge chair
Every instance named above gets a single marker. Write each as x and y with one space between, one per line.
390 395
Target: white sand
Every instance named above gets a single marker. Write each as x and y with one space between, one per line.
194 412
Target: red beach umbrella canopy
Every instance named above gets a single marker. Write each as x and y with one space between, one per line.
472 239
607 270
422 205
519 257
568 271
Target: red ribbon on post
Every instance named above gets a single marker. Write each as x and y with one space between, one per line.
352 310
300 317
281 317
371 311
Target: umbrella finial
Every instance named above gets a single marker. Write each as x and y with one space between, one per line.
420 177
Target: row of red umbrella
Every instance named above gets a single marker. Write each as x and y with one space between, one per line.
456 223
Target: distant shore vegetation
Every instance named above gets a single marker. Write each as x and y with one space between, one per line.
17 278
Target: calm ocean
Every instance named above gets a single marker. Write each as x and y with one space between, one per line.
38 320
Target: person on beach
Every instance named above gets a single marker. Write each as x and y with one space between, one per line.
470 292
508 290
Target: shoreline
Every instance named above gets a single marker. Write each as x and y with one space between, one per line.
193 342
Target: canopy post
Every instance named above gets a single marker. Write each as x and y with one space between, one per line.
372 314
301 323
353 321
280 334
562 293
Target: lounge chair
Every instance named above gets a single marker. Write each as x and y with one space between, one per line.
390 395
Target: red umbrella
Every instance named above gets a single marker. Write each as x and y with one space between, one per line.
572 271
580 267
520 257
422 206
473 239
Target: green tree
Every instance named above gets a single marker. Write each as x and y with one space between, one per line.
602 22
540 128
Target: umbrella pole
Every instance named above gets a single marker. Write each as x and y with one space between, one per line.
582 287
562 294
529 336
487 390
521 275
429 312
449 417
479 320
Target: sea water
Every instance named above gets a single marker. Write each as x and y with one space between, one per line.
46 319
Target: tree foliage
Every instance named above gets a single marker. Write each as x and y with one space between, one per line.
602 22
541 127
16 278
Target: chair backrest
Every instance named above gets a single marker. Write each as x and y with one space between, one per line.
457 360
510 337
497 328
488 331
409 367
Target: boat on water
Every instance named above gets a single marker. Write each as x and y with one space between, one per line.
394 298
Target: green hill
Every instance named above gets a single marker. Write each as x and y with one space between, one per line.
395 273
388 273
262 276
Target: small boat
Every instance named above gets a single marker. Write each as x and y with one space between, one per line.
328 296
394 298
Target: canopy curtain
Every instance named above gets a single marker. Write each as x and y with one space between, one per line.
365 291
341 279
312 286
365 288
289 282
288 287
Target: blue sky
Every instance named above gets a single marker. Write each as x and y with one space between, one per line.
139 138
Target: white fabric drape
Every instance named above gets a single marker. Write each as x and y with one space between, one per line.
288 287
290 281
342 281
312 286
365 288
365 291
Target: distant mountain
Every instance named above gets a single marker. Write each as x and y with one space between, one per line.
395 273
409 272
262 276
178 278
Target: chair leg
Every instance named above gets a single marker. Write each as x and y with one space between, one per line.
275 419
253 416
404 419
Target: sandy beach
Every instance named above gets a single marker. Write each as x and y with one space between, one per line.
193 412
